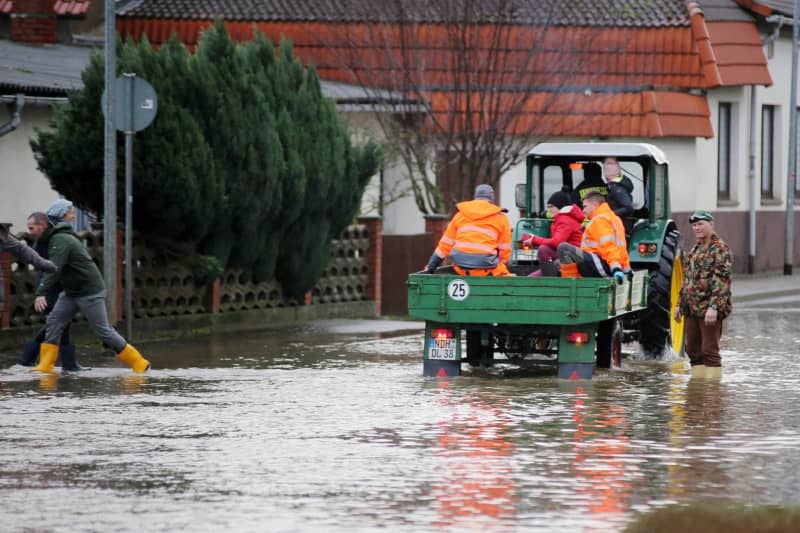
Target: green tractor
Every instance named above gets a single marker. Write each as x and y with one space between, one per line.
579 324
654 242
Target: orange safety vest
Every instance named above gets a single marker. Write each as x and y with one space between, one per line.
479 229
605 236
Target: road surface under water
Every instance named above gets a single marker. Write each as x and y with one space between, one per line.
331 427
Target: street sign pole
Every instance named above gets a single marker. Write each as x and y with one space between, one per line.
135 108
129 210
110 174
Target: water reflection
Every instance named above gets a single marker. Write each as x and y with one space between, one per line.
475 488
336 430
600 445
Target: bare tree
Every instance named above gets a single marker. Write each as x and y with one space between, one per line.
460 85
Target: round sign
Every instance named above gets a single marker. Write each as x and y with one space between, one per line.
458 290
135 103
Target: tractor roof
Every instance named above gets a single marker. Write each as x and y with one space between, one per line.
599 150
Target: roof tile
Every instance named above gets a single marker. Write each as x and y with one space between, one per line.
631 13
71 7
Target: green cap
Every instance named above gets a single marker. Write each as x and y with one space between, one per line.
700 214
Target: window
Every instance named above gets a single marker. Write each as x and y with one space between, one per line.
724 152
768 151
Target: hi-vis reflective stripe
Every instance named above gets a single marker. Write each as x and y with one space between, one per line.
504 246
605 238
465 245
447 240
492 234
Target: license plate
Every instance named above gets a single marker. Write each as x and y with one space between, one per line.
526 255
442 349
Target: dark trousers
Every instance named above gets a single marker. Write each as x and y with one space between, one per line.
546 253
702 341
589 265
41 334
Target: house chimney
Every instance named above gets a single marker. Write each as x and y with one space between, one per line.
33 21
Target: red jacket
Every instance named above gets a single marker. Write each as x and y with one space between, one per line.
567 227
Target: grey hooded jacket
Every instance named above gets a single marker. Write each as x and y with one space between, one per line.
23 252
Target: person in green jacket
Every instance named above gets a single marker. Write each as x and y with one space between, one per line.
84 291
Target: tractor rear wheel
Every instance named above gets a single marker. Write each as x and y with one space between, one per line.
658 331
609 344
477 354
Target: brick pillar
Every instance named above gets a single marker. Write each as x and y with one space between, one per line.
374 226
5 312
213 296
33 21
435 225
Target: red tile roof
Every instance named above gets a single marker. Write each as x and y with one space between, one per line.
578 114
600 81
618 13
60 7
71 7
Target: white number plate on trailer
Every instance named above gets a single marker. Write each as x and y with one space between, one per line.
442 349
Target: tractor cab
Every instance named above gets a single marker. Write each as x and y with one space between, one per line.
653 240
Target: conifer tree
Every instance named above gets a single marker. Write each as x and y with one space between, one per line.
246 160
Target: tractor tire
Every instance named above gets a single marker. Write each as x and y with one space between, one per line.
478 355
609 344
659 333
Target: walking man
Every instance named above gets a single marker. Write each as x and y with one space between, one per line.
705 298
38 223
84 291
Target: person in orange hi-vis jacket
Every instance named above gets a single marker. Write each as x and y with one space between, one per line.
477 239
603 251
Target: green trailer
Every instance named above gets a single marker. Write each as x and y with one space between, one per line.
578 324
575 323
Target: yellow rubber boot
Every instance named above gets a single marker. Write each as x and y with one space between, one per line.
48 353
714 372
570 270
131 357
698 371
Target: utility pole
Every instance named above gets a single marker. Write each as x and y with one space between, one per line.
110 174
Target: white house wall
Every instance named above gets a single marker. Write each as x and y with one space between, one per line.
779 95
23 189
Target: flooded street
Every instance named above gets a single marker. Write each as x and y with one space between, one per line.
331 427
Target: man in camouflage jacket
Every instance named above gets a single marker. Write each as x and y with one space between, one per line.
705 299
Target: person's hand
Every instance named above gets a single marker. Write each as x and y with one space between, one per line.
40 304
678 314
619 276
711 316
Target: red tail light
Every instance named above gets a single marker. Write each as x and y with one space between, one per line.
442 333
647 248
577 337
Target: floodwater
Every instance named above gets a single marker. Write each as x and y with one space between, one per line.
331 427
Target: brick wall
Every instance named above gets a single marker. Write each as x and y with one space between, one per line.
33 21
374 260
436 225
